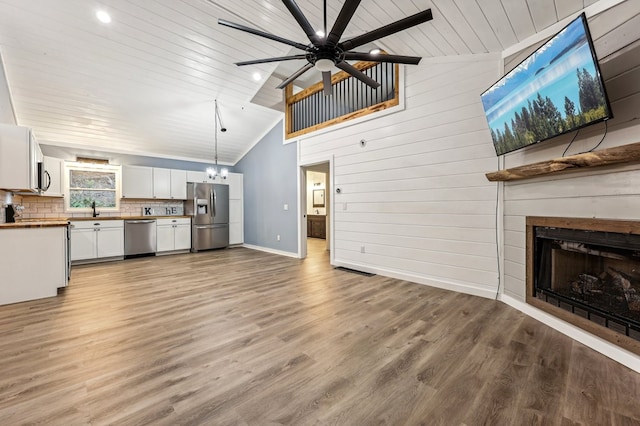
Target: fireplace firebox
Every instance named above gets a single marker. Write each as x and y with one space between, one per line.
587 272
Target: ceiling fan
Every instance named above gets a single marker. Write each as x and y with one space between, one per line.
326 49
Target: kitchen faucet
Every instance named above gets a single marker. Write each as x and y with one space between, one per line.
93 206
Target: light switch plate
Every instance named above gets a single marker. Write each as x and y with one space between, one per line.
286 206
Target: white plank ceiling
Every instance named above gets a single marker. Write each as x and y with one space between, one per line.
145 83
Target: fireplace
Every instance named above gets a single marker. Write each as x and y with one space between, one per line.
587 272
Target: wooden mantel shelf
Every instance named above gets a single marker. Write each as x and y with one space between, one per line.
620 154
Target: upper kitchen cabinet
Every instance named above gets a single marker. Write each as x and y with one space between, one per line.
55 169
137 182
20 157
161 183
154 182
169 184
196 176
179 184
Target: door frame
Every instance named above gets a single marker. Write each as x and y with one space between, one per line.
302 207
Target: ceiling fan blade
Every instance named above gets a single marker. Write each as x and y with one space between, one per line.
261 34
355 72
325 17
301 19
396 59
346 13
264 61
295 75
326 83
402 24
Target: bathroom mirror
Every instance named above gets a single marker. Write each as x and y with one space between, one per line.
318 198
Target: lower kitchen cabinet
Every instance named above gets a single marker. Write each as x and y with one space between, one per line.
35 260
97 240
173 234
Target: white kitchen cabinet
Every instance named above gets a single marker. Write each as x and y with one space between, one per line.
110 242
154 183
20 154
161 183
183 235
83 243
173 234
137 182
55 168
97 240
35 260
178 184
236 208
196 176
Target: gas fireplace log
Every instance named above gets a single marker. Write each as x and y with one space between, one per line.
630 290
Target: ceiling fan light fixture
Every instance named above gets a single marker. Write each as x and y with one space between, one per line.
324 65
375 51
320 33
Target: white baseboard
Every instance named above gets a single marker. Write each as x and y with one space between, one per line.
446 285
610 350
273 251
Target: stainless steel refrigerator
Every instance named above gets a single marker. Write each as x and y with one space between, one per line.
208 206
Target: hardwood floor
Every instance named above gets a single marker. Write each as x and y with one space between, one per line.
249 338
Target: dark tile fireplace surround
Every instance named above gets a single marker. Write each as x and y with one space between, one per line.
587 272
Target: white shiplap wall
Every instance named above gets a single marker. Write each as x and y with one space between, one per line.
612 192
415 196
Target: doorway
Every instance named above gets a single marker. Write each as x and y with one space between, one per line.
315 196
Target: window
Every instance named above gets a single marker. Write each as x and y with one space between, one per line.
86 183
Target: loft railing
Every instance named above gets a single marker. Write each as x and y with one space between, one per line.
310 110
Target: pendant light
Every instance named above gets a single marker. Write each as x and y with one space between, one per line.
212 172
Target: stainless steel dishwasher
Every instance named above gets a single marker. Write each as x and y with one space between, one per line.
139 237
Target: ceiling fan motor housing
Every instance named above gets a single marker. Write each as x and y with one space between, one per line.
330 52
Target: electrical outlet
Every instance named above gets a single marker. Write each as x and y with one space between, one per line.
278 237
361 249
344 206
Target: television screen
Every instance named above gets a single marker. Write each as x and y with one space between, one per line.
555 90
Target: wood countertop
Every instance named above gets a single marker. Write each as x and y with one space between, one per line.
62 221
125 218
34 224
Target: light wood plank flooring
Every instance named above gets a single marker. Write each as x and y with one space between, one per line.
240 337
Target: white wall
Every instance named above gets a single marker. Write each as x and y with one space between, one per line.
611 192
415 196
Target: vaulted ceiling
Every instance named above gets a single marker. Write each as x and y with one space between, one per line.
145 83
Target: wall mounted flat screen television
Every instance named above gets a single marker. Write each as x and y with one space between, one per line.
555 90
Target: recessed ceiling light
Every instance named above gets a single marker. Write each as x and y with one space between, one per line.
103 17
375 51
257 76
320 33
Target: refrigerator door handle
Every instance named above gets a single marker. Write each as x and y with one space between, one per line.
213 201
209 226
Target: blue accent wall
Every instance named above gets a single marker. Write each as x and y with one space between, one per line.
270 181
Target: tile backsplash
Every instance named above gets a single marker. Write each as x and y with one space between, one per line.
50 208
